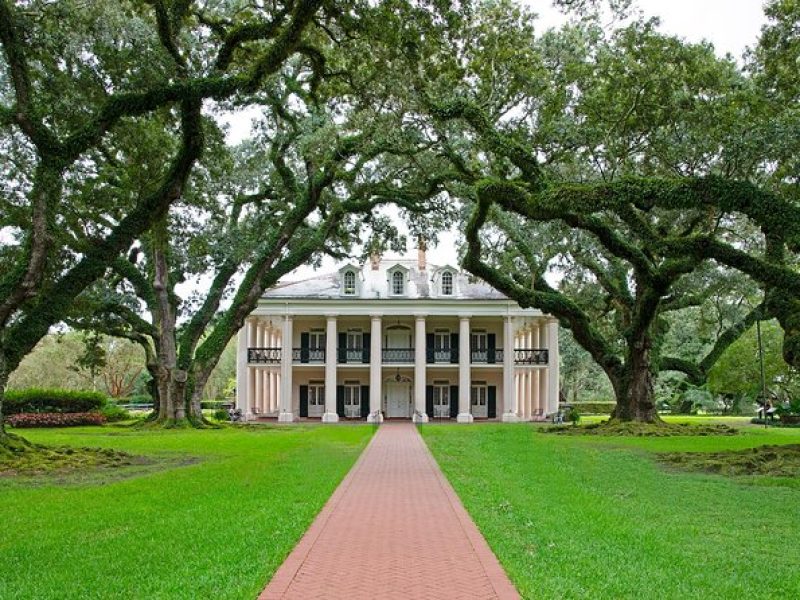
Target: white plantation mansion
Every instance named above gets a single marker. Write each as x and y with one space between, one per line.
396 339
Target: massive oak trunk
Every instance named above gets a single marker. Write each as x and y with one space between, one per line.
634 385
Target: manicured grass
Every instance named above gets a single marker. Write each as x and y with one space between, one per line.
217 528
597 517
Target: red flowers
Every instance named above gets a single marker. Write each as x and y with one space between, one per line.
55 419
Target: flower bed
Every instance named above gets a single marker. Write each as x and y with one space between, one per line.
55 419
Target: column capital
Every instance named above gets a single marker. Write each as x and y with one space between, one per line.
331 317
420 317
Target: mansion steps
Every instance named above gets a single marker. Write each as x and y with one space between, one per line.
396 339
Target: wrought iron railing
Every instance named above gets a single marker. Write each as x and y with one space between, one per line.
264 355
308 355
534 356
445 355
353 355
489 356
398 355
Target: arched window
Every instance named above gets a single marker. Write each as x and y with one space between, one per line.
447 283
398 283
349 283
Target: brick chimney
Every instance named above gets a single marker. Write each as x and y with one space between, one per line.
422 260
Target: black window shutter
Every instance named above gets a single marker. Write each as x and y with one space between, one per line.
491 401
303 400
491 346
429 400
365 401
429 341
342 349
453 401
453 347
366 341
305 340
340 400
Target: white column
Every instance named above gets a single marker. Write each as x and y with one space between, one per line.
274 392
536 403
252 342
330 415
286 415
509 401
375 367
259 388
544 373
420 371
242 386
528 342
464 375
553 366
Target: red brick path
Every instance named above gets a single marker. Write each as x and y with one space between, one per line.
394 528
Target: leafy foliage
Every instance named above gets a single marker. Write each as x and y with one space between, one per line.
52 401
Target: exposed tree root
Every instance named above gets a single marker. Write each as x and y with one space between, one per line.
638 429
21 457
775 461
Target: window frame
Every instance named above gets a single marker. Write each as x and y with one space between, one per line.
347 290
450 289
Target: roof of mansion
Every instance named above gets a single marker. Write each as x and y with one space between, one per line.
374 279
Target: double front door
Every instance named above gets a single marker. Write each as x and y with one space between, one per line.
398 400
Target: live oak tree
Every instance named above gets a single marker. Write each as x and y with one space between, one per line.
610 161
79 79
326 153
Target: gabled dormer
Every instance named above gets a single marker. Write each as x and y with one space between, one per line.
397 280
350 281
445 282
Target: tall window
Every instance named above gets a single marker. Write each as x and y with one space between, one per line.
349 283
398 283
447 283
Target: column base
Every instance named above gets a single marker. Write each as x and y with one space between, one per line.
509 417
329 417
464 418
286 417
419 417
376 417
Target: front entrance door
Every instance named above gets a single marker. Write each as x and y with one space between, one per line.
352 400
398 400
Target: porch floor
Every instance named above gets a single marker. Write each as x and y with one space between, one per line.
393 528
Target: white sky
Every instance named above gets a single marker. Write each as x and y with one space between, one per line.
730 25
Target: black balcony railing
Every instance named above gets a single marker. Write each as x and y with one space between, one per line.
264 355
308 355
398 355
447 355
353 355
488 356
534 356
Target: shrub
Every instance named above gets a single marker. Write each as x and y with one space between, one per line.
221 415
135 399
594 408
573 416
114 413
212 404
49 419
35 400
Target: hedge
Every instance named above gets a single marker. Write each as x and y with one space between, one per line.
55 419
34 400
593 408
213 404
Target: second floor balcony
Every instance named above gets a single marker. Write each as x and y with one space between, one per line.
522 356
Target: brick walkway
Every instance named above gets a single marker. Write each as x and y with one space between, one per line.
394 528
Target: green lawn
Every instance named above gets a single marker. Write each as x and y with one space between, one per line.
598 518
214 529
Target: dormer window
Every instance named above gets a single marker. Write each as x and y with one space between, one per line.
349 283
447 283
398 283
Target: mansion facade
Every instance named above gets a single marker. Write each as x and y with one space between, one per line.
396 339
